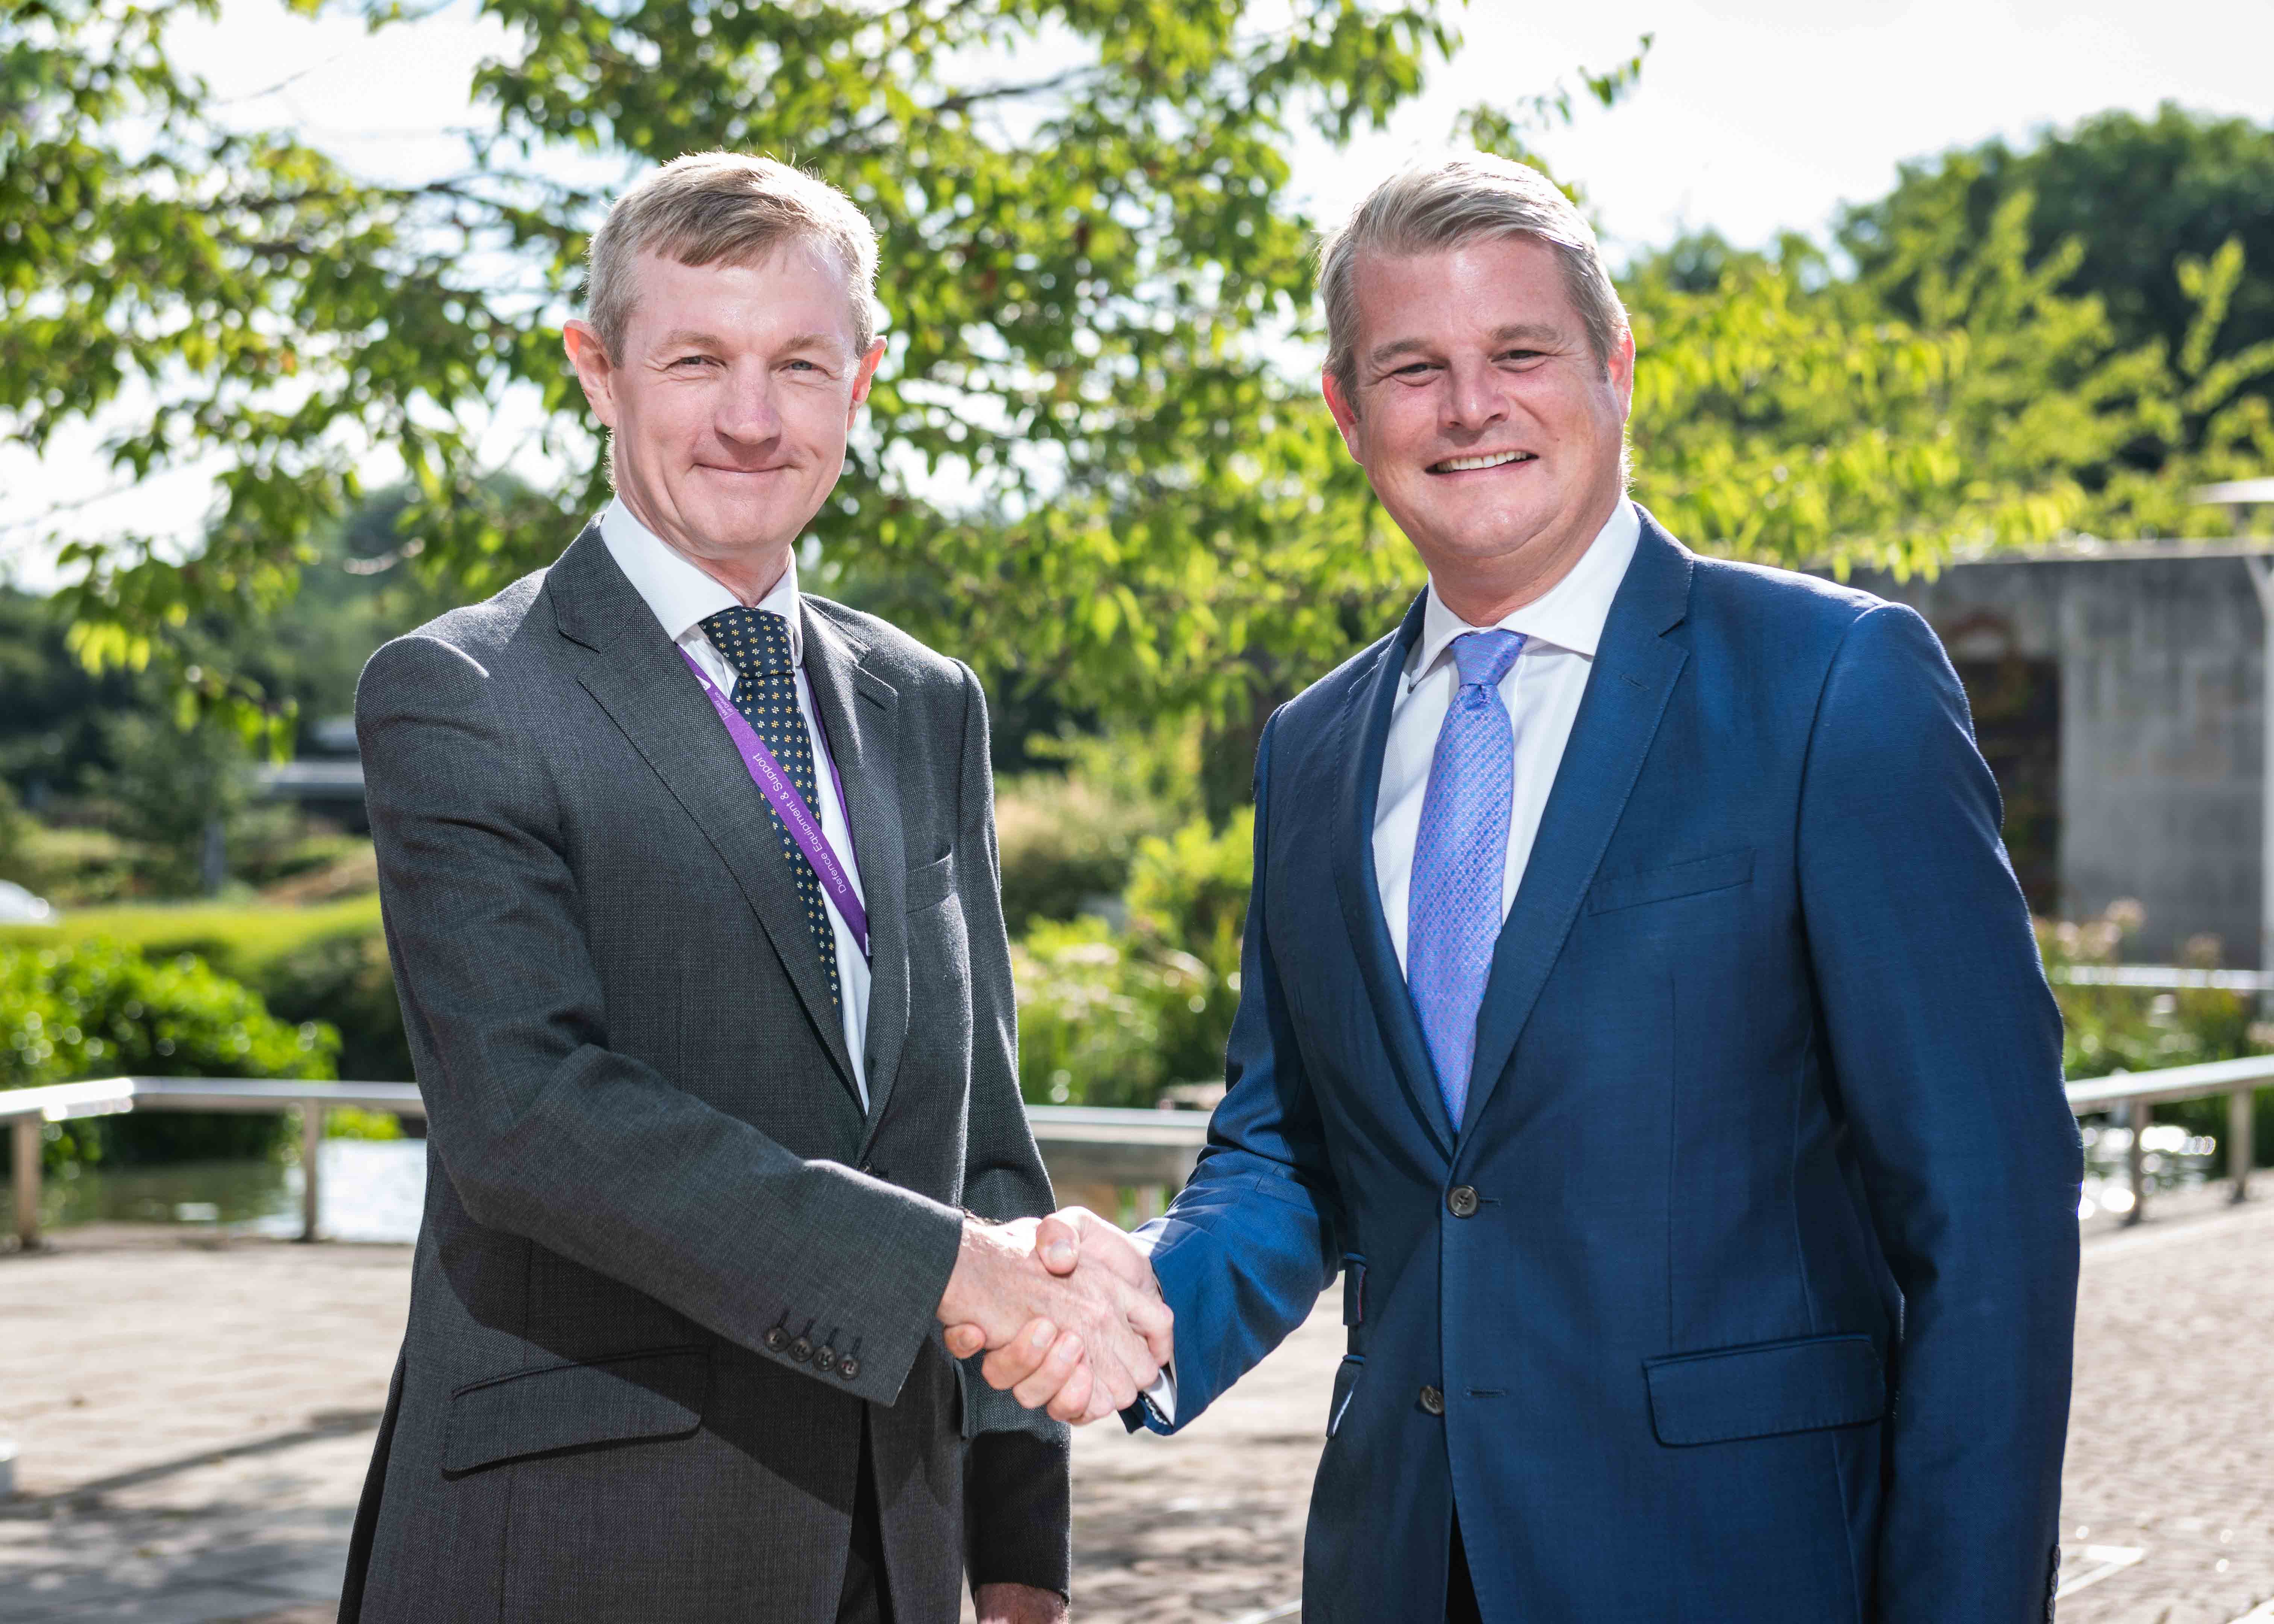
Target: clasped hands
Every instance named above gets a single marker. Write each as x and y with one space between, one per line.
1068 1308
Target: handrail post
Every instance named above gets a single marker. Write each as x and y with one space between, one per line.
2241 1147
311 1148
28 1140
2136 1168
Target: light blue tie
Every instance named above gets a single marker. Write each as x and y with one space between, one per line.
1453 917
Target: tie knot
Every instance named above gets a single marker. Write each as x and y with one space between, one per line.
1484 658
756 642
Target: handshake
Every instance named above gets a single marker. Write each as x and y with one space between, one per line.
1066 1307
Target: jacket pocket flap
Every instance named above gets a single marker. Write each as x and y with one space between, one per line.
1771 1388
1682 879
635 1395
928 884
1346 1375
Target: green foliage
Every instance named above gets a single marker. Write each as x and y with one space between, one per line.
2114 1029
16 835
1786 413
2120 201
1091 259
241 941
98 1009
170 784
324 963
1068 836
1114 1017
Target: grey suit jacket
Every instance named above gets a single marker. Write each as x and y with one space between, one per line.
667 1259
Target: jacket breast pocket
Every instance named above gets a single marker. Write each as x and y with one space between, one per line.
1720 872
632 1397
931 884
1765 1390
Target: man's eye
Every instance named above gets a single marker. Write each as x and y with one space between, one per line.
1417 370
807 365
692 360
1521 354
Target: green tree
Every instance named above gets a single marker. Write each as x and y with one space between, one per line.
1091 259
2134 196
1954 396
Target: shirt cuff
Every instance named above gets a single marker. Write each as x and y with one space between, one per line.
1161 1395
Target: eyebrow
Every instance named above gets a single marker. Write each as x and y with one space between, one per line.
1398 347
688 338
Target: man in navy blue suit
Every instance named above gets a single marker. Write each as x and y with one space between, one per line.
1638 1012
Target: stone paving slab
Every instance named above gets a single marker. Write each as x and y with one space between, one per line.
225 1398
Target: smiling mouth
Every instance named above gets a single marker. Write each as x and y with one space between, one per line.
1468 464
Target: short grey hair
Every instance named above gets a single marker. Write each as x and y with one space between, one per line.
1431 208
714 206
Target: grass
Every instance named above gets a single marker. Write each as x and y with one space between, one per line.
241 939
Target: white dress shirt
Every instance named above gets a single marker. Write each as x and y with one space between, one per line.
682 598
1542 690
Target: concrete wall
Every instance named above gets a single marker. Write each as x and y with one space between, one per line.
2162 667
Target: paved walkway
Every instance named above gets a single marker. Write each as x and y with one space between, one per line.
194 1422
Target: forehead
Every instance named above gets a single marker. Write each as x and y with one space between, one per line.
793 287
1484 284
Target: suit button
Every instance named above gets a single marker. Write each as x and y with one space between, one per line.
777 1340
801 1350
848 1367
824 1359
1433 1400
1463 1200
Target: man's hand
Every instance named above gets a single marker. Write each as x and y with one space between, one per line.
1018 1604
1038 1367
1090 1341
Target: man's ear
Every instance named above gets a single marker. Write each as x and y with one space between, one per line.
863 377
1621 370
1345 413
590 356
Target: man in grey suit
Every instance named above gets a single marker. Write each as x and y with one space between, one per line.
690 885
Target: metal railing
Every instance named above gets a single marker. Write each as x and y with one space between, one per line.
1082 1145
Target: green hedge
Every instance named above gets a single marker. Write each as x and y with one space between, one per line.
96 1008
325 962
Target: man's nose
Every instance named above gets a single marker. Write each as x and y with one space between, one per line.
746 410
1475 397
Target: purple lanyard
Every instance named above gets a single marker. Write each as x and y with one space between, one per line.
789 806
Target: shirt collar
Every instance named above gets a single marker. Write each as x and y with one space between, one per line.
1569 615
679 593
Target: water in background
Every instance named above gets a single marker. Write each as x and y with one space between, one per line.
369 1190
373 1189
2171 1157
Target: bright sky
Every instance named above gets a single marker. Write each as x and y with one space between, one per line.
1752 116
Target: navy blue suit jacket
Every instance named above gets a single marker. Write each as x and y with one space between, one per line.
1746 1287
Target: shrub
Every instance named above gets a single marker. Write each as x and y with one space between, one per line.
1096 1013
1115 1016
1069 837
2111 1029
98 1009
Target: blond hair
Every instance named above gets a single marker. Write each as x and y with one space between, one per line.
714 206
1432 207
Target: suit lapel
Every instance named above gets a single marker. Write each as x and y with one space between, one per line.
859 715
1364 728
1634 674
636 674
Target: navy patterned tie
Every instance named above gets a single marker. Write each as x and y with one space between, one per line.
756 642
